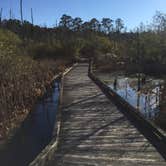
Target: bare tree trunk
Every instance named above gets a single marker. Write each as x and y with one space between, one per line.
1 15
21 11
22 19
32 16
10 14
32 22
56 25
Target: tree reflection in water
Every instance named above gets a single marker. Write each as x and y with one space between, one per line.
149 100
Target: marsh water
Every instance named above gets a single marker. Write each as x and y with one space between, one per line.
147 100
34 134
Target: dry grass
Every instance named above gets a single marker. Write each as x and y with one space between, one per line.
23 80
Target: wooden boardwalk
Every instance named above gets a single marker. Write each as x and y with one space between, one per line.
94 132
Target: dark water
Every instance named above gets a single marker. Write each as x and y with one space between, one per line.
34 134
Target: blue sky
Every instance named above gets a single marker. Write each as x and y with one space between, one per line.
46 12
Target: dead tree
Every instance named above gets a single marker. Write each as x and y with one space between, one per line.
21 11
1 15
32 16
22 19
10 14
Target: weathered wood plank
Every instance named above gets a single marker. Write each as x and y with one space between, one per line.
94 132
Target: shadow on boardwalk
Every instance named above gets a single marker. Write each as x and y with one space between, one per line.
94 132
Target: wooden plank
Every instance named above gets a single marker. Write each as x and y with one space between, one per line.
154 134
47 152
93 130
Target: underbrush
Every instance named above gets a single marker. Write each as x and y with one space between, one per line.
22 80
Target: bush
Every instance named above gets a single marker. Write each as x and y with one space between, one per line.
98 45
43 50
22 79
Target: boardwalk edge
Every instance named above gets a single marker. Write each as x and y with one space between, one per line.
153 134
48 151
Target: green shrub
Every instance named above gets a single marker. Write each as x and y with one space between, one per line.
10 43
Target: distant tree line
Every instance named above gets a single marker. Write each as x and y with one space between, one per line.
67 23
146 44
106 26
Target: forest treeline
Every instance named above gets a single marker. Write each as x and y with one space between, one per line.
69 38
30 55
73 38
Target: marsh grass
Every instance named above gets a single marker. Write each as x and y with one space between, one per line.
22 80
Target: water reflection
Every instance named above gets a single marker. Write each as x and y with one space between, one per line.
34 134
147 100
